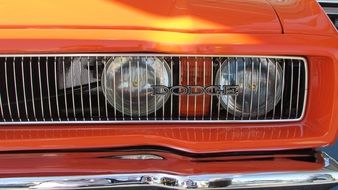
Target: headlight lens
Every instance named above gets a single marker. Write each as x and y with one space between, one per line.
260 85
127 84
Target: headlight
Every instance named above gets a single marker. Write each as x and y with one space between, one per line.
260 85
127 84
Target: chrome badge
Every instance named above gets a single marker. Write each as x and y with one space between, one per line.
193 90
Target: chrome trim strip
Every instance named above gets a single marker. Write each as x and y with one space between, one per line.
331 10
328 1
328 175
123 121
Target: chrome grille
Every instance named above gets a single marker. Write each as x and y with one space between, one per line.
68 88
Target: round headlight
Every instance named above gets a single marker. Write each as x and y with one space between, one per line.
260 85
127 84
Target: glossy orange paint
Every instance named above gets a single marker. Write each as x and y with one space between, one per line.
95 163
195 16
215 35
303 17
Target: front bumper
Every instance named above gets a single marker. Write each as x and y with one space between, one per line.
148 169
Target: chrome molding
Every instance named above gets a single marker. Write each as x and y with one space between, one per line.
328 1
104 121
328 175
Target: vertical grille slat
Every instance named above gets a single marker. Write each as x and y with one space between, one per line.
56 90
212 83
40 89
275 90
72 88
180 78
291 90
298 88
163 101
97 88
172 84
7 91
282 98
188 83
130 88
81 90
105 92
2 108
236 79
110 88
259 89
219 99
32 88
16 89
24 87
267 91
89 89
48 89
229 83
204 76
64 89
251 86
244 85
147 79
138 91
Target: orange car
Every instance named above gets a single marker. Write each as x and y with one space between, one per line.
172 94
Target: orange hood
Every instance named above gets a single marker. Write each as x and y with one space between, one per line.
197 16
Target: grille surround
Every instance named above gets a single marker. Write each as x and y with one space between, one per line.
160 120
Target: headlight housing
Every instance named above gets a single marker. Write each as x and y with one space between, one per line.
260 85
127 84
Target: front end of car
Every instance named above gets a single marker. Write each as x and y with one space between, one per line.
189 95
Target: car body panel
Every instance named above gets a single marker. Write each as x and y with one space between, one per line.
318 128
197 16
303 17
105 161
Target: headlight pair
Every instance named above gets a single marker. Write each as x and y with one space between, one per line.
127 84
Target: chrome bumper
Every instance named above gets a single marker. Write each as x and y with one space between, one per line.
327 176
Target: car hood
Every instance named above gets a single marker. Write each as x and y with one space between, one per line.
196 16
